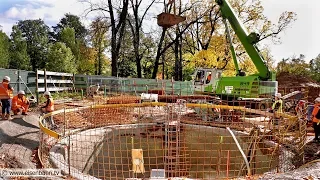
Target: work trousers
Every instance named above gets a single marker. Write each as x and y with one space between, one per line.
6 106
17 110
309 112
316 128
49 120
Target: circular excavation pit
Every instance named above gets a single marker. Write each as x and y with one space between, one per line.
159 142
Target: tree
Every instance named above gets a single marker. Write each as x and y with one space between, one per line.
4 50
127 66
70 21
68 37
294 65
98 32
86 60
117 15
19 58
36 34
184 26
72 32
315 68
60 58
136 29
148 47
126 62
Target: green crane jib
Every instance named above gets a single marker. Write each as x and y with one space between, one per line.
248 40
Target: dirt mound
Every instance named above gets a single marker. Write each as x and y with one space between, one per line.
288 83
291 80
312 151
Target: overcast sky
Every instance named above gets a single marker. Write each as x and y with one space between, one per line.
301 38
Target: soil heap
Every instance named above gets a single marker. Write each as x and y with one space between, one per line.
291 82
286 79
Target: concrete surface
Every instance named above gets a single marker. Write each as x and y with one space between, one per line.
19 137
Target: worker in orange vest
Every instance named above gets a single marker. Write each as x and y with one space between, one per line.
316 119
6 95
208 78
49 106
20 103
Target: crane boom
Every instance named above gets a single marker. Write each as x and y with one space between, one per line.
247 40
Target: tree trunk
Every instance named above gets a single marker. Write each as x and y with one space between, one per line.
163 64
136 50
138 62
117 31
114 55
159 48
100 59
176 58
180 61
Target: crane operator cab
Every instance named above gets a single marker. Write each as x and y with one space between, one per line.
206 79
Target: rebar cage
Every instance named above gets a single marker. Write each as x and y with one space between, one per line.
125 135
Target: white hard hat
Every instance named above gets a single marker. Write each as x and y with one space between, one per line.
47 93
317 99
21 92
7 78
278 95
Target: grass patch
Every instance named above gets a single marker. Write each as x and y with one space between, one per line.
61 95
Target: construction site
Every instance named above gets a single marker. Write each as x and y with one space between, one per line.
213 127
126 132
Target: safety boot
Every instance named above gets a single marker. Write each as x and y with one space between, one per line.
8 117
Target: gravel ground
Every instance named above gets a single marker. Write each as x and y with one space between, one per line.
19 137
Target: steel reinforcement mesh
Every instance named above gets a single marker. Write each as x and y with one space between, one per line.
121 137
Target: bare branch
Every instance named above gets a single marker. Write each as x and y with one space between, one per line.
145 12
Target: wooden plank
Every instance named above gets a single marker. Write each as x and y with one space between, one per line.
55 89
57 81
137 161
49 73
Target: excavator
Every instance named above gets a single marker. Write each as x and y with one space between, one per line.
257 87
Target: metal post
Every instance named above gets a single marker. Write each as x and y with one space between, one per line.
172 88
18 81
45 80
105 91
37 87
74 82
64 118
69 146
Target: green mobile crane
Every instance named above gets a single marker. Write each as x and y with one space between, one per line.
254 86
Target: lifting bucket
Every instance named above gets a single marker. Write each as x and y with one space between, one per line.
167 20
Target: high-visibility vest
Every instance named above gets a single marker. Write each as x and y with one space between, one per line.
50 106
209 77
315 111
5 93
277 106
18 102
